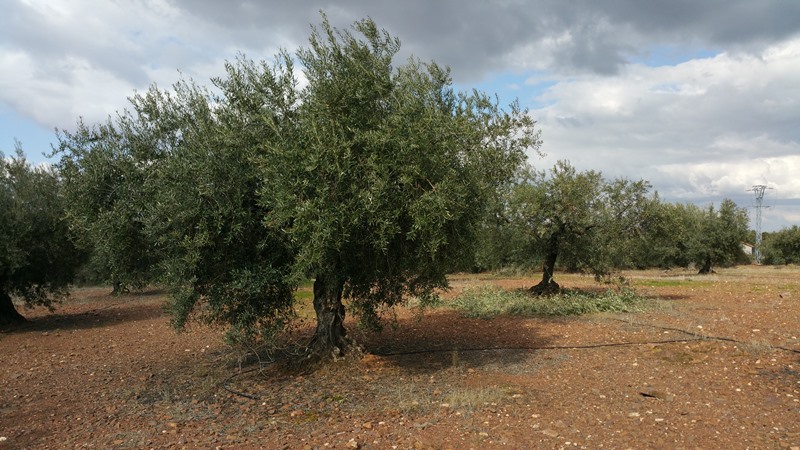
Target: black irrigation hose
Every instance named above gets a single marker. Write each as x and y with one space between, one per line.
696 337
487 349
541 347
701 336
240 393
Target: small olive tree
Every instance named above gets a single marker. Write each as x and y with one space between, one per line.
718 236
578 218
684 234
169 192
783 246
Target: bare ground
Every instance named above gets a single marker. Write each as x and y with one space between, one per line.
714 364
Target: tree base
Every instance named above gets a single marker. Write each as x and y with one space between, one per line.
11 323
706 268
706 271
545 288
9 317
319 354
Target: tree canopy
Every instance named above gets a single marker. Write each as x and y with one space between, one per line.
685 234
578 218
783 246
104 198
37 258
718 239
369 179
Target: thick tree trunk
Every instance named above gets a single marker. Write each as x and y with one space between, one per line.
548 285
119 288
330 338
8 314
706 269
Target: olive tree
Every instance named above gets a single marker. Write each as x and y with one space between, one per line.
104 197
37 257
664 237
385 183
783 246
368 179
578 218
718 236
683 234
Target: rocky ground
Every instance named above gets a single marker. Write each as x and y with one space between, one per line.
715 363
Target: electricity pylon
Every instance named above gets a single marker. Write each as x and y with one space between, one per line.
758 189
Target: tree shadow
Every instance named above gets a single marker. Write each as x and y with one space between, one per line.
444 339
78 316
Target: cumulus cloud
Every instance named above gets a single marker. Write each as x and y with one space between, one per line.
730 109
84 58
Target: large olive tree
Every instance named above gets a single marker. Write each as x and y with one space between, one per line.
386 180
368 178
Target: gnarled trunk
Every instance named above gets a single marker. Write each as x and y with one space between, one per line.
117 288
548 284
706 269
8 314
330 337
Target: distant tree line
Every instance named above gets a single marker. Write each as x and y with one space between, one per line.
782 246
580 221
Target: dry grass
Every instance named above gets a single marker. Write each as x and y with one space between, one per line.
469 399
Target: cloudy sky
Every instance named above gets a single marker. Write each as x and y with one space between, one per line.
701 98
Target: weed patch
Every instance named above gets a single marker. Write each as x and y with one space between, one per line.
470 399
486 302
757 347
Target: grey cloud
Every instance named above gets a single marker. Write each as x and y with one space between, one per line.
28 29
468 36
474 37
715 22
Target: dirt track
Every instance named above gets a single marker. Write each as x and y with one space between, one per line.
107 372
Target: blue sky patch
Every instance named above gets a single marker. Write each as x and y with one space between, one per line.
670 55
